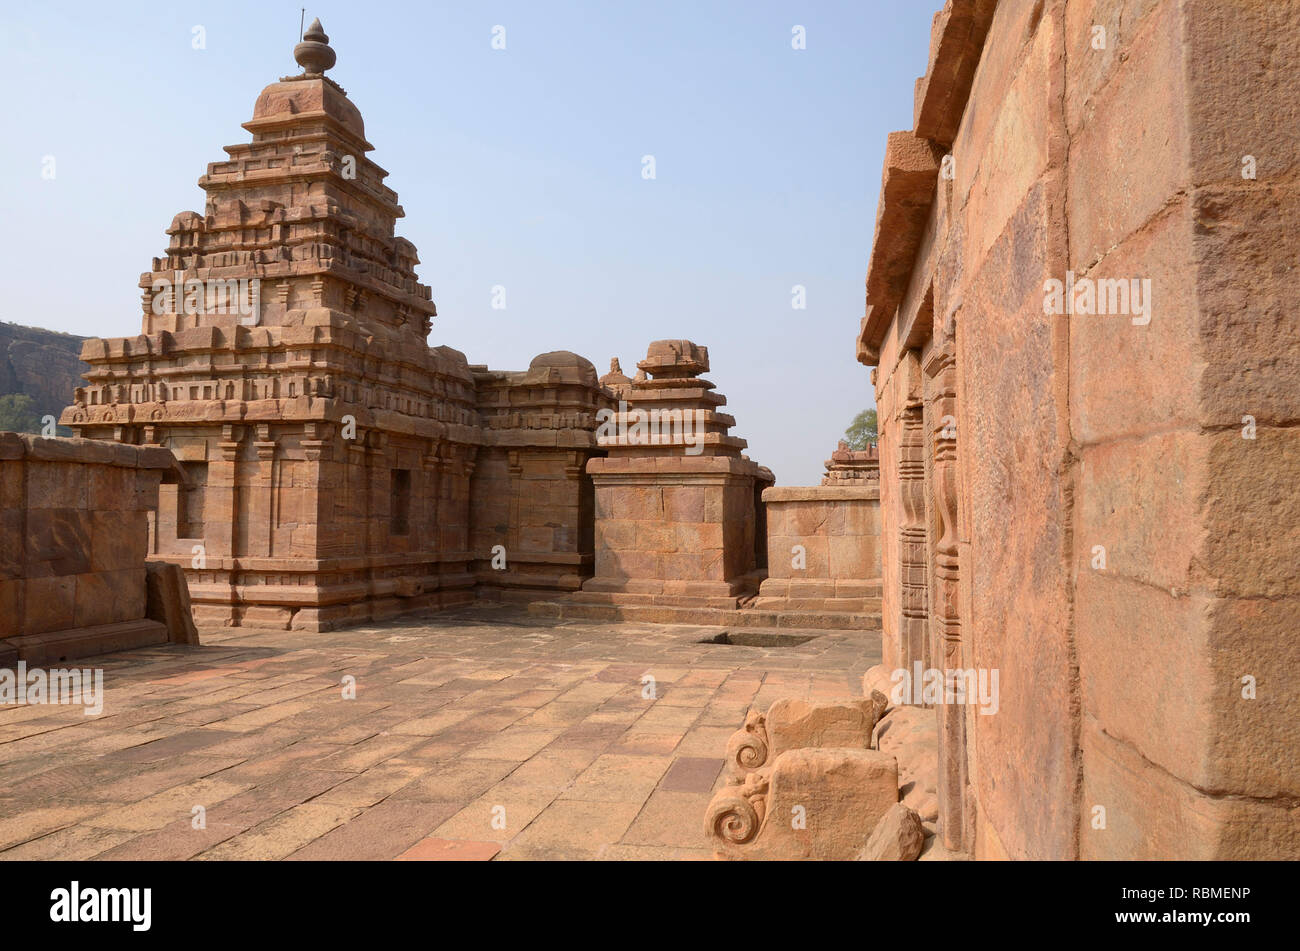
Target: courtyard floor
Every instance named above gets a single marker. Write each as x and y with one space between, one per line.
480 734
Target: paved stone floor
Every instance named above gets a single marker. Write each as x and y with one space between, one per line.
479 734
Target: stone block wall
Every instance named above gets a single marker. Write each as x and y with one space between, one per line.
823 546
74 534
1090 502
533 503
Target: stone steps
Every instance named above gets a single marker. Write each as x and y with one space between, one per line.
59 646
742 617
817 605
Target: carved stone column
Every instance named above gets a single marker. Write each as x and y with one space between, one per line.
913 557
945 587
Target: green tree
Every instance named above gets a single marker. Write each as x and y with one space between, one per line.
862 431
18 414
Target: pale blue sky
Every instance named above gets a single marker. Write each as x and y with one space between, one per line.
519 167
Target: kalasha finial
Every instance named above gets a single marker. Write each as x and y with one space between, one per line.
313 53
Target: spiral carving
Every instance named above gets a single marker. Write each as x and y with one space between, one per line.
747 750
734 818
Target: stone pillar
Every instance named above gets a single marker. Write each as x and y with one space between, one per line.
947 653
913 557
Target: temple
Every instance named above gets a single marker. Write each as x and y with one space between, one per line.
1075 536
329 454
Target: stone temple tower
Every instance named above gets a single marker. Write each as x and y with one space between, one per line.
283 359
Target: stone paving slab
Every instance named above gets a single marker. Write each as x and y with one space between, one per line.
482 734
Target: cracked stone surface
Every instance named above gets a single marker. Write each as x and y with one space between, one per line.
474 735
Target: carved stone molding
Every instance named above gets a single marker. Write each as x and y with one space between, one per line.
802 782
946 626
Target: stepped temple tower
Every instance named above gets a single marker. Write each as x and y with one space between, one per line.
328 451
678 517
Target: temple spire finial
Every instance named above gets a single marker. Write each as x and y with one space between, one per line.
314 54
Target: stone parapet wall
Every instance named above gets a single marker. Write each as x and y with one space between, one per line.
74 535
823 546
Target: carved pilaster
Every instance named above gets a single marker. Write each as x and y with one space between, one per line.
913 556
941 371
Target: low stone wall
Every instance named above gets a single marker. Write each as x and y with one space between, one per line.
74 534
823 546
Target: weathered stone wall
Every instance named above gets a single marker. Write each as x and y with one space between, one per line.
1068 496
74 534
532 501
1201 526
823 544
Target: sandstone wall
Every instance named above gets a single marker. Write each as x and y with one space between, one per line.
532 502
1033 444
837 532
74 535
1201 526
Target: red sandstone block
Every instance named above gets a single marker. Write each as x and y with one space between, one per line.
49 604
956 40
1150 377
683 566
53 485
118 539
1132 497
656 537
1116 182
1091 68
106 597
1153 815
110 487
450 850
10 599
13 550
12 447
12 490
58 541
847 558
698 537
684 503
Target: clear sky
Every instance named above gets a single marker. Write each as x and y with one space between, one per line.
519 167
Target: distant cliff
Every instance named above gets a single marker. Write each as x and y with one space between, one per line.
42 364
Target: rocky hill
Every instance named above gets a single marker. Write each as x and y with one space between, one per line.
43 364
